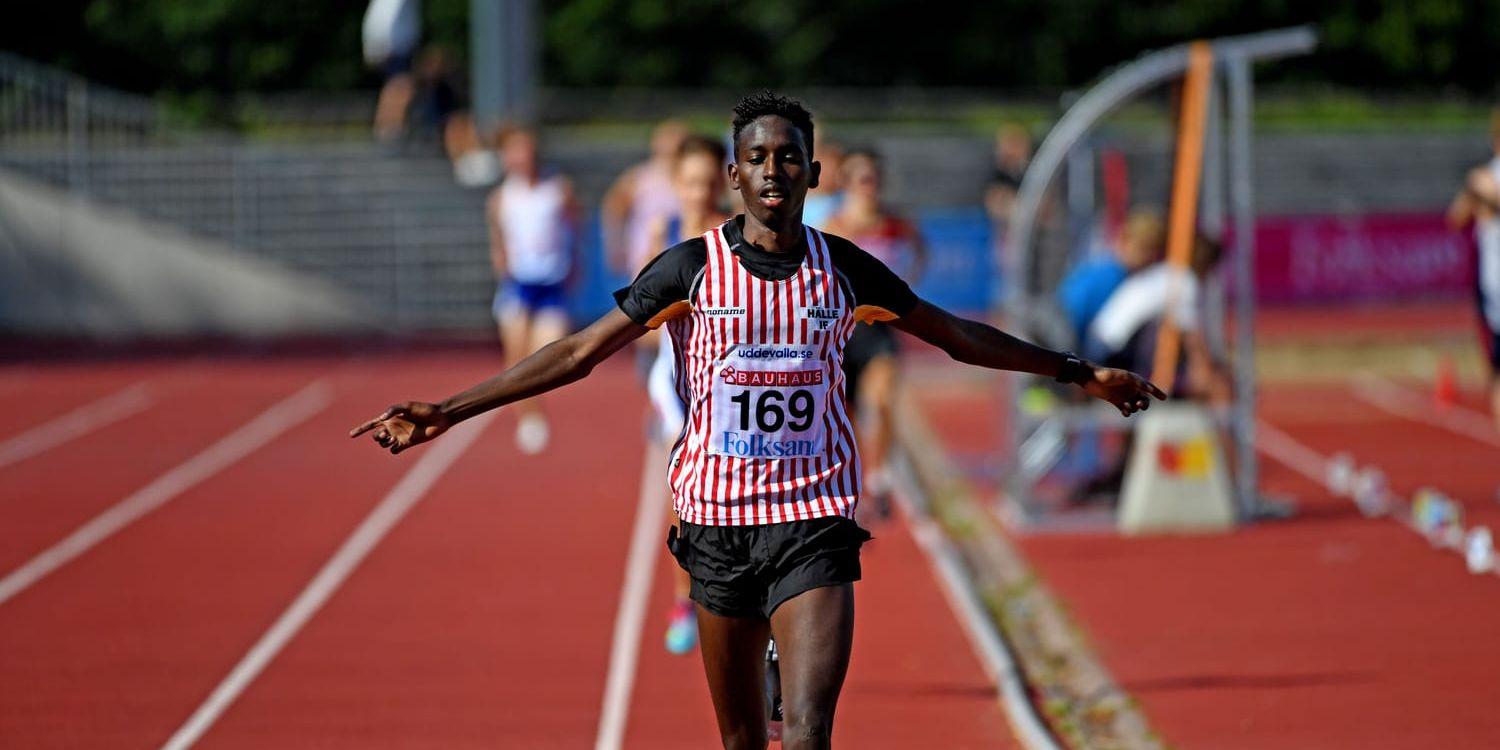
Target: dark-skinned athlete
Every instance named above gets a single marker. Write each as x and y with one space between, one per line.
765 476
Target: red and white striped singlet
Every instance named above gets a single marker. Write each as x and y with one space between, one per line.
768 436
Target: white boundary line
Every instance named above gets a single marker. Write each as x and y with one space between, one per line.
77 423
226 451
1402 401
988 643
1291 453
384 517
630 619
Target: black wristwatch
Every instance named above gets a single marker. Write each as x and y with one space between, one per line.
1074 370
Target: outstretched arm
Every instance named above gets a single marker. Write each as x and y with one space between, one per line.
559 363
975 343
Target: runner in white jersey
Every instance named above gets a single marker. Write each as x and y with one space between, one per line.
766 475
531 249
1477 208
698 180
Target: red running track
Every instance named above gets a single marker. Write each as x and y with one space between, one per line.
1329 630
483 619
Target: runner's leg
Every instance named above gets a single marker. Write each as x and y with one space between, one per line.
879 392
814 635
734 653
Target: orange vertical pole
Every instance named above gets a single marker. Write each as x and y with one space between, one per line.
1183 222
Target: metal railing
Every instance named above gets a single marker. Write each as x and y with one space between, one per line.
387 227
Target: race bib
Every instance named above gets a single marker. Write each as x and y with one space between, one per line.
768 402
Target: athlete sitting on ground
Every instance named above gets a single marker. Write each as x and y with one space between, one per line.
766 476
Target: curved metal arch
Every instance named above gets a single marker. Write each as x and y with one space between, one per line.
1118 87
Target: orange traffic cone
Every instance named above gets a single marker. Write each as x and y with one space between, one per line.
1445 386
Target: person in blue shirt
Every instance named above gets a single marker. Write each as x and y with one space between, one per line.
1088 286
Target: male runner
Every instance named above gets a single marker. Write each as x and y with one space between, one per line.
1477 205
871 369
531 217
766 476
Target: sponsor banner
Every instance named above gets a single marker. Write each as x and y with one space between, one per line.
1324 258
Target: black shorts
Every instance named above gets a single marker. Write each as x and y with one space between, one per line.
748 571
868 342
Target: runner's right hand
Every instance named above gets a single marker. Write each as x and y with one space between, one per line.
405 425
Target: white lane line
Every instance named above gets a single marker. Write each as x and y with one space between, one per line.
988 644
76 423
229 449
402 498
1409 403
630 619
1291 452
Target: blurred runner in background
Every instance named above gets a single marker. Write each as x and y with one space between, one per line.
640 199
532 219
870 365
824 200
699 179
1477 208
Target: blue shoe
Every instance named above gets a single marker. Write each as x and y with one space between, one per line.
682 630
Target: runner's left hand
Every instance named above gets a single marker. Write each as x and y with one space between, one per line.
1128 391
405 425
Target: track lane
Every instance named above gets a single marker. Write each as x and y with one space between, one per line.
914 680
484 619
117 648
1328 630
48 496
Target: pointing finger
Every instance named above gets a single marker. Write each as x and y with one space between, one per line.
1153 390
367 426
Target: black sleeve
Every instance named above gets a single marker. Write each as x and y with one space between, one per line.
872 283
665 281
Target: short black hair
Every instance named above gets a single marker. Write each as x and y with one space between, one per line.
763 103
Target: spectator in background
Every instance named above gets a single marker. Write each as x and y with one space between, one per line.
1476 209
823 201
1125 329
427 105
390 33
1012 156
532 219
1083 292
640 200
871 371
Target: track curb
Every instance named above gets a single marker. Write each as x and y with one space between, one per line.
1048 675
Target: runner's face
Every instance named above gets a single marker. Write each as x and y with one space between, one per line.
862 177
772 170
519 154
699 182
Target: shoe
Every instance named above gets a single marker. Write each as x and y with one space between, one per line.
682 629
773 693
532 434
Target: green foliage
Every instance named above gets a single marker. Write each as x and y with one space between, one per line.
203 50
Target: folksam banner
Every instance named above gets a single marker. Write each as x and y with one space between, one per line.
1325 258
